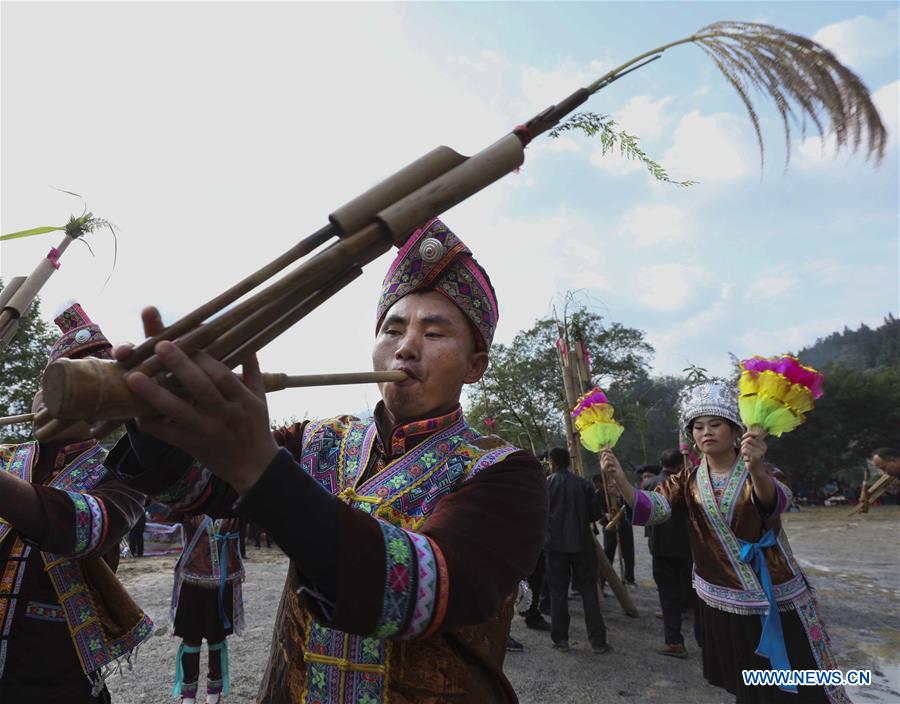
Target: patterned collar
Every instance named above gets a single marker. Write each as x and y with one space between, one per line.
405 437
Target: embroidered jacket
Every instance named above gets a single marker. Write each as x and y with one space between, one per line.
57 596
406 548
716 527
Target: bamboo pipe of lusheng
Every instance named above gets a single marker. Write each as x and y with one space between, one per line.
95 389
391 211
256 318
13 420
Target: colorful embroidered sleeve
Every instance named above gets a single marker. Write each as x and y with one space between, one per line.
83 524
415 585
654 507
650 508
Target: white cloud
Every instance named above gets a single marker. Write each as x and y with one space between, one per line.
667 287
655 224
542 87
861 40
643 117
770 286
590 279
709 148
677 346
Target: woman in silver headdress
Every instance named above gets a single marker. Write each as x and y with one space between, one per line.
756 608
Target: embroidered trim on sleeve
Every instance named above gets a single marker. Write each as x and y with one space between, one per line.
400 581
90 522
426 567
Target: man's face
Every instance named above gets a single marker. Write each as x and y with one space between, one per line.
887 465
429 338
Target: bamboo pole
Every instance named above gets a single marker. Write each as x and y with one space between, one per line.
864 493
14 420
609 574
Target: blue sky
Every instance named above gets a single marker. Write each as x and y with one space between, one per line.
214 135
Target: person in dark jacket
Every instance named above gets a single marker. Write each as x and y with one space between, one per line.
570 552
672 564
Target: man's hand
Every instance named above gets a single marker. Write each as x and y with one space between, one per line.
223 424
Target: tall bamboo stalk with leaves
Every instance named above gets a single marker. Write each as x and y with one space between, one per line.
22 291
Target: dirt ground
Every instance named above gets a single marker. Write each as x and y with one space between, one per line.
853 563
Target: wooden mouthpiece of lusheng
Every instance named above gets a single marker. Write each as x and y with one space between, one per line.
362 210
13 420
277 382
89 389
445 191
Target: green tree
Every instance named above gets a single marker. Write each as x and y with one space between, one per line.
22 363
522 390
648 408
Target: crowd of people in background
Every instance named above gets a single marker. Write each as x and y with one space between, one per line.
583 515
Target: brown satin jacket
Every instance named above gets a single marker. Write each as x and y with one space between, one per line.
718 529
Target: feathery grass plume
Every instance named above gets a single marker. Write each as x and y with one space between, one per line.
805 80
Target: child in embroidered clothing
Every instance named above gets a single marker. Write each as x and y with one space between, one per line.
756 609
207 604
65 621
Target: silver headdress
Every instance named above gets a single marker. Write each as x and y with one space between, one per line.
710 397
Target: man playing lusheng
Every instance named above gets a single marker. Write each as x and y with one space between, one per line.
65 620
407 534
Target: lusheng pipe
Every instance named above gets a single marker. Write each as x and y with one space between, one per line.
95 389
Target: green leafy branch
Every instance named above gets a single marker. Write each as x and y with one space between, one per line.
611 139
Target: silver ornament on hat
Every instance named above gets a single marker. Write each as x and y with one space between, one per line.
431 250
711 397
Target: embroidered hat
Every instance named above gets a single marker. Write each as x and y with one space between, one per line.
80 336
433 258
712 397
